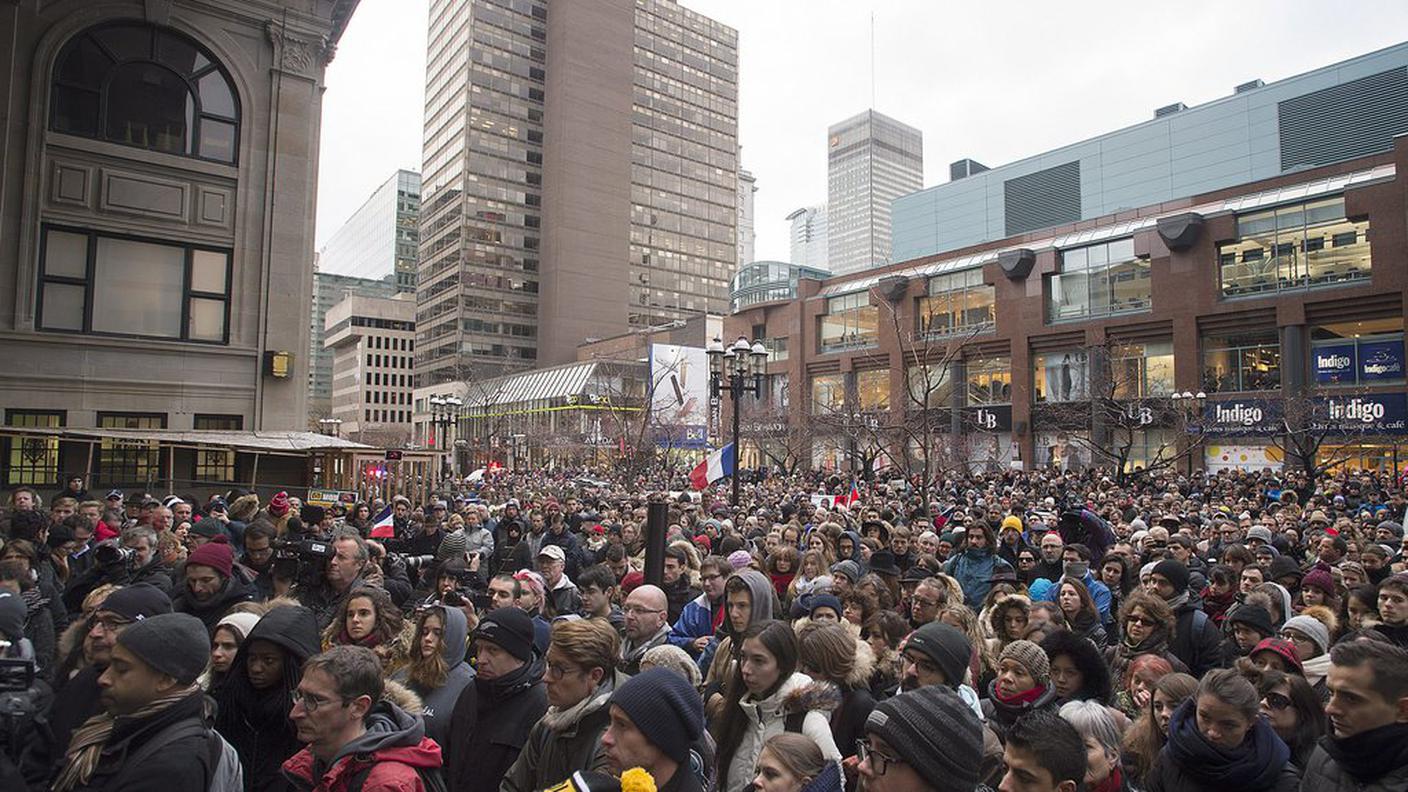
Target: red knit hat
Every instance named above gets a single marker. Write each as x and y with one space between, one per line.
279 505
216 555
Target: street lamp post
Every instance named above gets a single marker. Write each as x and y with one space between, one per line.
730 370
444 412
1190 408
331 426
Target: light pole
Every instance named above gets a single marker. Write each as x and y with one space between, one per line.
737 364
444 411
1190 408
331 426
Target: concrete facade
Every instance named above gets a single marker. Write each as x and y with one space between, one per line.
871 159
807 234
197 234
372 344
328 291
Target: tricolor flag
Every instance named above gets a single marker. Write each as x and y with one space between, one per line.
854 497
714 467
384 526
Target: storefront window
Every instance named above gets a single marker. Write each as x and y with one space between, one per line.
1098 280
931 385
990 381
1300 246
850 322
957 302
1140 371
1358 353
1241 362
828 393
873 389
1061 376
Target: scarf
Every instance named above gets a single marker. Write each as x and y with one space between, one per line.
631 654
1255 764
86 747
1178 602
493 691
1370 755
1113 782
371 641
1021 699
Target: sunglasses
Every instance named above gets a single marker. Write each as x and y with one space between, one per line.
1277 701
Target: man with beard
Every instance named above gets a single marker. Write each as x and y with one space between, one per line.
938 654
493 716
1051 566
259 557
211 587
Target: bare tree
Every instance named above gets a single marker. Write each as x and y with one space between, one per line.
1317 434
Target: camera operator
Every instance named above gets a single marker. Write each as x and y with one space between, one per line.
24 694
133 561
389 571
259 557
348 568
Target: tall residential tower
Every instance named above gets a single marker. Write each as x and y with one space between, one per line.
871 159
580 178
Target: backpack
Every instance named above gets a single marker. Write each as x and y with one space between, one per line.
432 778
226 774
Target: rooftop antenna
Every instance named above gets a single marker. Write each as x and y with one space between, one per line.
872 60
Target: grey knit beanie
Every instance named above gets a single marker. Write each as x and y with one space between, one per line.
934 732
1311 628
1032 657
175 644
452 546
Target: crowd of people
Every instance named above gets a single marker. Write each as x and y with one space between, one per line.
1045 630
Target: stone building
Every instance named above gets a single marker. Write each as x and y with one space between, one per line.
157 190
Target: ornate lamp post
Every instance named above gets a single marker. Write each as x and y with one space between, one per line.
444 412
736 370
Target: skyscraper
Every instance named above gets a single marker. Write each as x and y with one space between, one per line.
580 178
872 159
747 237
381 237
329 290
808 236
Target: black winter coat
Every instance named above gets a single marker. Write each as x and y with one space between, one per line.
183 765
490 725
211 611
1200 649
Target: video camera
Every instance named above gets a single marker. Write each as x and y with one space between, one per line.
302 559
110 554
19 700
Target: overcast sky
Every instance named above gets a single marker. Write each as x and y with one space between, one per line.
995 81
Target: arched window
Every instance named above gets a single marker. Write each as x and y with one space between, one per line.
145 86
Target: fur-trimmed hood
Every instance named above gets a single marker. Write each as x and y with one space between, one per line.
244 508
402 696
811 696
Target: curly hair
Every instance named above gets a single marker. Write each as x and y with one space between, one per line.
1095 674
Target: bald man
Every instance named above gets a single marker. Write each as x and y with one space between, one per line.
646 626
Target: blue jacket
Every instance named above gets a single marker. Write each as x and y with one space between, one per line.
696 621
973 570
1045 590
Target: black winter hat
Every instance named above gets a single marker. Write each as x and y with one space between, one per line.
1255 617
175 644
1282 566
138 602
946 646
509 628
935 732
1175 572
311 514
666 709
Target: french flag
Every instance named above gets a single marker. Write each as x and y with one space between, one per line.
384 527
714 467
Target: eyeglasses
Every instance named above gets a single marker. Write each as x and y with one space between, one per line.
110 624
313 703
925 603
1277 701
636 610
558 670
878 762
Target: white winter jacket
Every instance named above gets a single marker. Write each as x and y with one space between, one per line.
769 716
